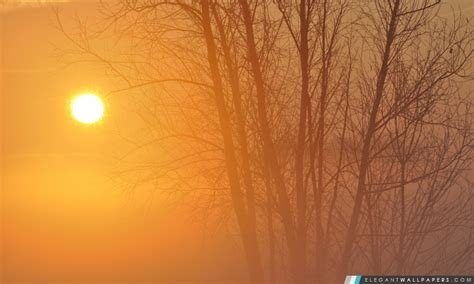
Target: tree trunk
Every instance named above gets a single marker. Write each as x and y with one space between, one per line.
367 143
301 192
248 234
270 155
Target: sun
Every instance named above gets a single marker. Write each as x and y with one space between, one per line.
87 108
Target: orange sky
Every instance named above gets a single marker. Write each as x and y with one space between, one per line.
62 217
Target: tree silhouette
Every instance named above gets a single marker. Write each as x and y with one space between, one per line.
328 128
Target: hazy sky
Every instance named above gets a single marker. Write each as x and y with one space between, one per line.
63 217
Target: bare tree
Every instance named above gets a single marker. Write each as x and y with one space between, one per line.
327 128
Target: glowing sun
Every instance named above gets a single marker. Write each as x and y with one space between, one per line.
87 108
